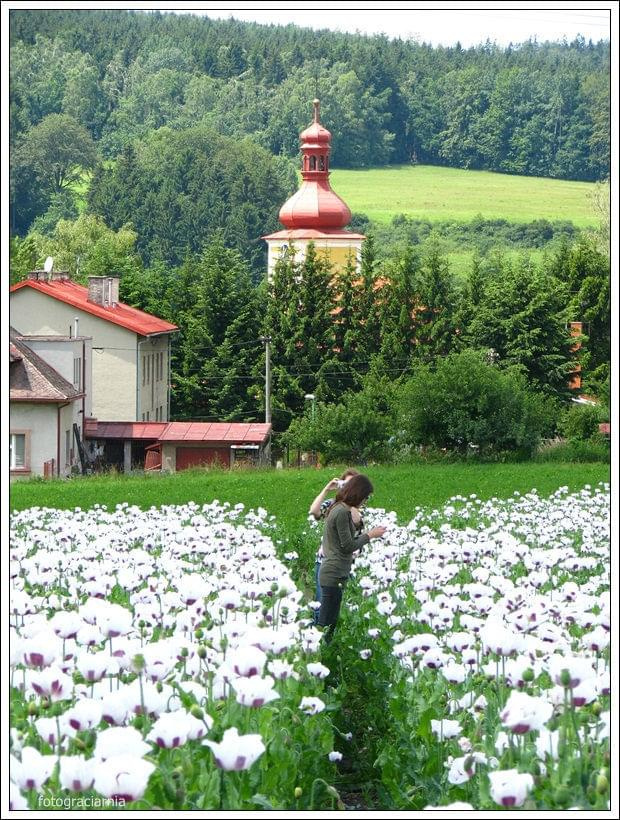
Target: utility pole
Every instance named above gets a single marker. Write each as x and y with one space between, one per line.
267 341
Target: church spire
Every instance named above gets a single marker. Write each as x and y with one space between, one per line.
315 205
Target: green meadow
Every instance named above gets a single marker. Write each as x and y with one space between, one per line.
288 493
443 194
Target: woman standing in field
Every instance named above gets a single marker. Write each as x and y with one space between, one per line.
318 510
340 541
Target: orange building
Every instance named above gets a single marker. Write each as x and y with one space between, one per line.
315 213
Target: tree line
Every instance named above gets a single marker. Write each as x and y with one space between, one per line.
115 77
363 339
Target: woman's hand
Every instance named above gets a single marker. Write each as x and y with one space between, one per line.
334 484
376 532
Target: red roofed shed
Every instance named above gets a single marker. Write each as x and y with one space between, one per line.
178 445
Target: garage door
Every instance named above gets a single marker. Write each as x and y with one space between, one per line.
195 456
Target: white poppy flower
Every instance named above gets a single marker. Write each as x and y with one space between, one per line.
236 752
445 729
120 740
17 802
311 706
170 730
76 773
523 712
247 661
123 777
509 788
33 770
52 683
254 691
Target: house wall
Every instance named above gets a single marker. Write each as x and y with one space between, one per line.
61 354
40 423
153 382
117 390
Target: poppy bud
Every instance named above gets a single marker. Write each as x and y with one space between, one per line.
528 675
202 652
298 792
562 796
198 632
32 709
184 652
602 783
138 662
565 677
196 712
596 708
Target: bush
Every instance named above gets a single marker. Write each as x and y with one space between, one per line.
581 421
577 451
466 403
353 431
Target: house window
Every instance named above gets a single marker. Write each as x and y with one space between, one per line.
148 415
77 372
143 370
148 369
17 450
313 163
161 366
321 163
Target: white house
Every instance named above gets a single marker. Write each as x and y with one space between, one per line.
131 348
47 404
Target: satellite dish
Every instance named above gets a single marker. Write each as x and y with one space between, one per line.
49 264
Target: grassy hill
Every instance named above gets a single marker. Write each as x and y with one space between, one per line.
440 194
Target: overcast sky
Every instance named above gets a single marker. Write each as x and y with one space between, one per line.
470 26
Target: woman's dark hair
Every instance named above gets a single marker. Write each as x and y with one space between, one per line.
348 473
356 490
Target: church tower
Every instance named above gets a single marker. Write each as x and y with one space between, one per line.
315 213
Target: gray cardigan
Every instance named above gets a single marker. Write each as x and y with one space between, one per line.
339 543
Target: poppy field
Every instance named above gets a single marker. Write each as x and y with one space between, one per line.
167 658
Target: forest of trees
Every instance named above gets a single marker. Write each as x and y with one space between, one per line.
106 80
189 128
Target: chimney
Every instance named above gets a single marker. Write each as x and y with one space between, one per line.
103 290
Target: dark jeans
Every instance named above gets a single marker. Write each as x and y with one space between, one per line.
317 596
331 598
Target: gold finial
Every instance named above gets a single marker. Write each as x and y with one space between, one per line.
317 106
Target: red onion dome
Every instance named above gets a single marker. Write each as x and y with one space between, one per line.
315 205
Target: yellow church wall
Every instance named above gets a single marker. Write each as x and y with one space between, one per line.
337 250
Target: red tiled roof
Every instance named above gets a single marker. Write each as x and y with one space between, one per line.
186 431
32 379
126 429
231 433
77 296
